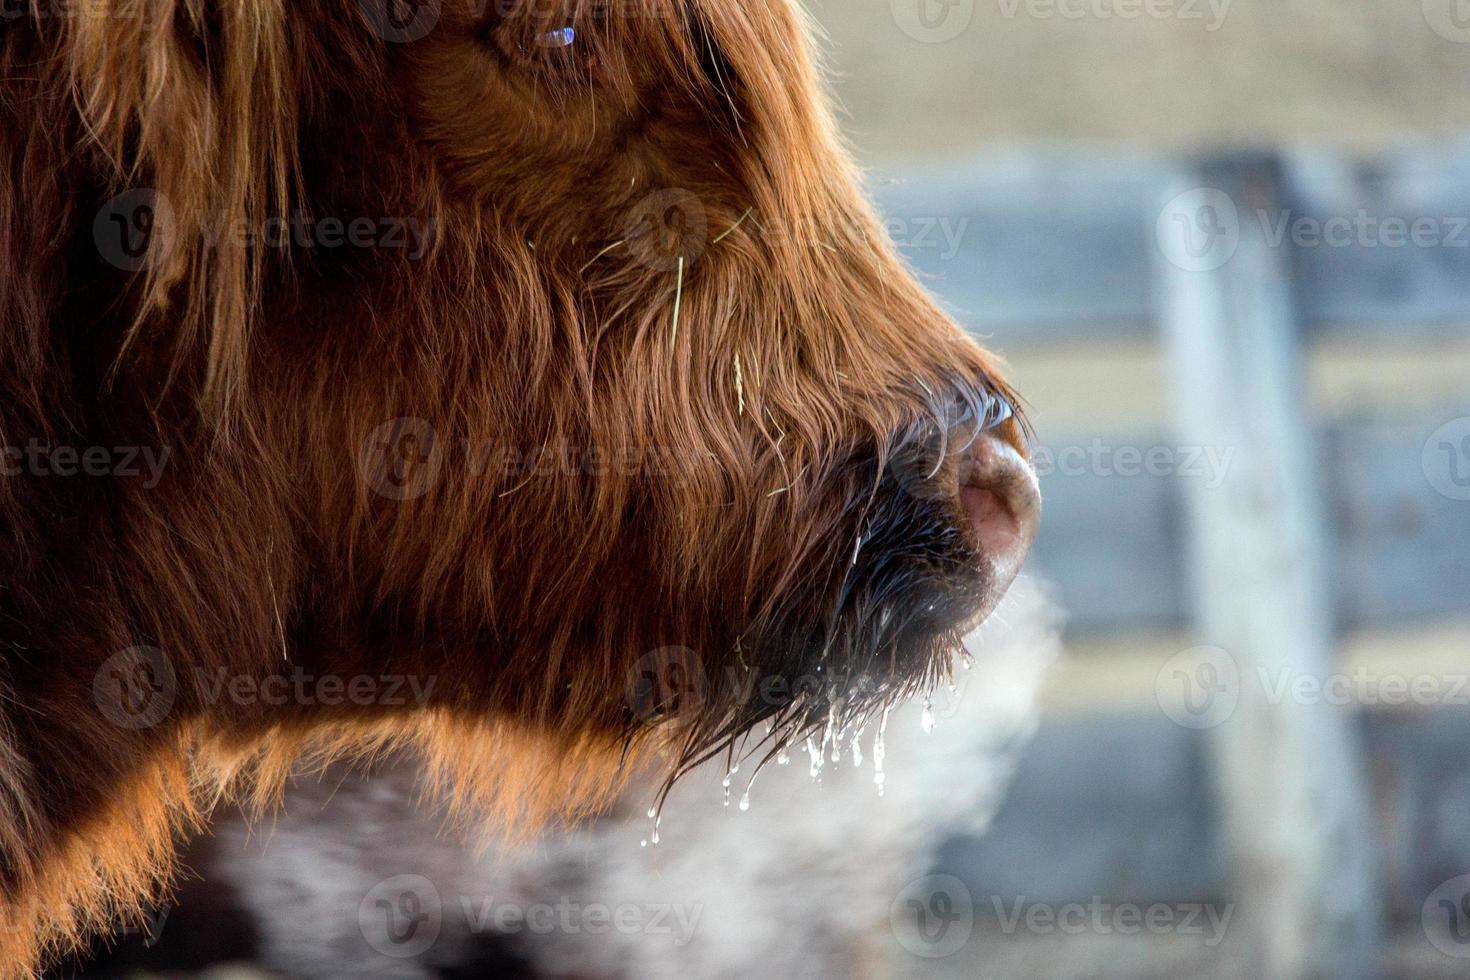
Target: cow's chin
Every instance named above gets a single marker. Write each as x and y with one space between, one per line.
830 664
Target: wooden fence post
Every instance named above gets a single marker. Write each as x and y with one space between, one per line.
1291 778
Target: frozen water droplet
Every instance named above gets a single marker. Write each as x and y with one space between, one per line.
654 836
815 752
745 800
879 752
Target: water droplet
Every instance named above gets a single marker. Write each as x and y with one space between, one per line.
745 800
815 752
643 843
879 752
928 720
783 758
652 812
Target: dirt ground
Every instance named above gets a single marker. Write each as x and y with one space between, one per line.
1194 72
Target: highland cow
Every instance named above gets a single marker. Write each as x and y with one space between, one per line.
529 387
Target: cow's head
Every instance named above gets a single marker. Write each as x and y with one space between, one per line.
545 350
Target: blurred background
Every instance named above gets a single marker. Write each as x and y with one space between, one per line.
1225 248
1190 229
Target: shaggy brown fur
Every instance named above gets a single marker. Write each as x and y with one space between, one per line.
503 465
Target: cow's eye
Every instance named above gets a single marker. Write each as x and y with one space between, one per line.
562 37
560 53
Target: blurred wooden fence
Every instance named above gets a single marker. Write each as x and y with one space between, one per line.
1040 249
1235 265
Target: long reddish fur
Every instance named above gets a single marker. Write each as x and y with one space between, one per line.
266 372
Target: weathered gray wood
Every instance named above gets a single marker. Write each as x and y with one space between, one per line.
1048 246
1404 548
1118 805
1112 547
1037 246
1295 804
1114 544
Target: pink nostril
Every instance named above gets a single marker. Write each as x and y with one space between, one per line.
1002 503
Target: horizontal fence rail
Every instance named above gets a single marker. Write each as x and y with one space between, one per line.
1113 540
1040 247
